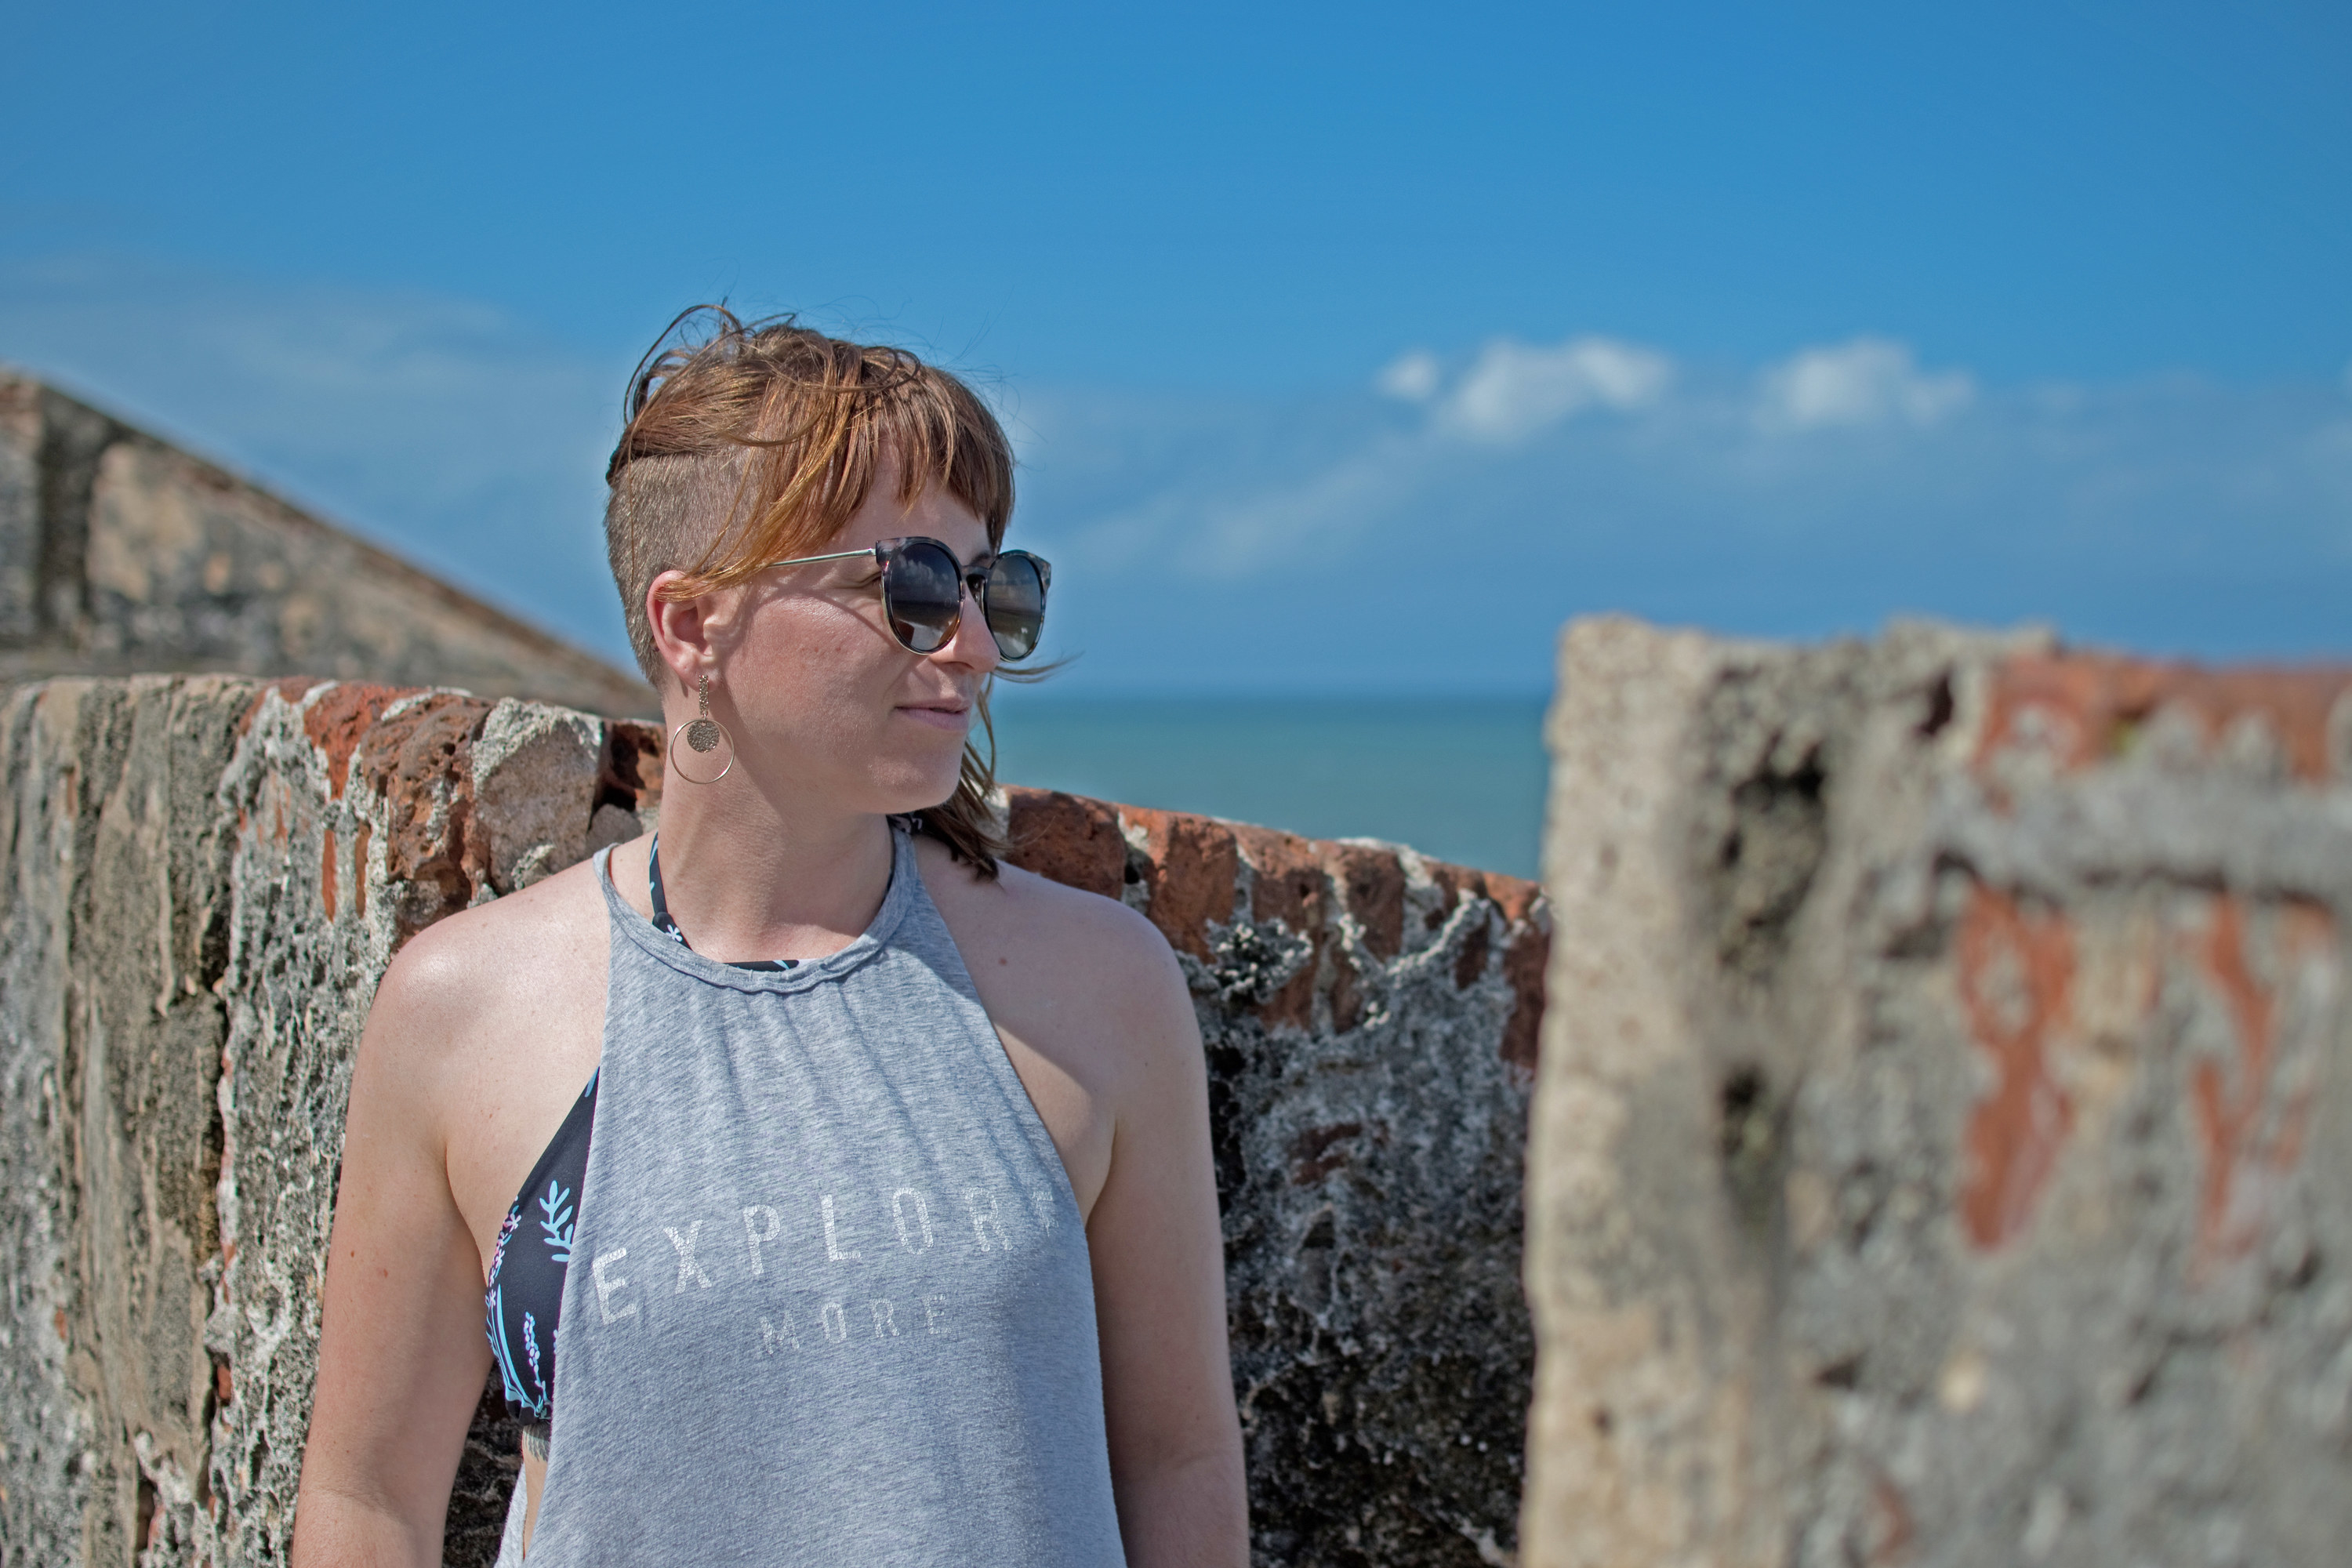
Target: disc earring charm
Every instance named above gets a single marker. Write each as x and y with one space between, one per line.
702 732
707 743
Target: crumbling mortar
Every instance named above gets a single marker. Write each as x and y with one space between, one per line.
1134 891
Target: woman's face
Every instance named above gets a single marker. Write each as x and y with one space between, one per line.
824 703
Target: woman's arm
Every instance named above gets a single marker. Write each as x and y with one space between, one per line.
1159 1297
402 1354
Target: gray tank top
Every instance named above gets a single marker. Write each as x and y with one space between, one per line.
829 1299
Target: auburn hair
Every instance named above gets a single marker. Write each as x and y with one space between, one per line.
747 443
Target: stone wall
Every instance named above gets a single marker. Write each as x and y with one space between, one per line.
207 875
120 553
1943 1147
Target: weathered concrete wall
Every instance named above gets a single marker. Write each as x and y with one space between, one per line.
208 875
120 553
1943 1147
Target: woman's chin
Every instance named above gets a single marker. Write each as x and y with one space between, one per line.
898 791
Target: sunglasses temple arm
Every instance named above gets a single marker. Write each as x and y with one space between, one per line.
813 559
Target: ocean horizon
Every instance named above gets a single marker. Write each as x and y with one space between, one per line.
1457 778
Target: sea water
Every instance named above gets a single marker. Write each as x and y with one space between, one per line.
1460 779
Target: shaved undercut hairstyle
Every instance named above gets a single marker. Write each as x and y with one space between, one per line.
747 443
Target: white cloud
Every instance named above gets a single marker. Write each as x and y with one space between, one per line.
1411 376
1865 381
1243 522
1238 537
1329 541
1235 521
1516 389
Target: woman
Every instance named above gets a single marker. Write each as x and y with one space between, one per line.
884 1227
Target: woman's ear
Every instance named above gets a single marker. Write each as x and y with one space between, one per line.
685 630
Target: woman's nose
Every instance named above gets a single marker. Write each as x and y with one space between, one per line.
974 642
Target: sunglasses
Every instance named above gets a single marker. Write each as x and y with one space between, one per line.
923 586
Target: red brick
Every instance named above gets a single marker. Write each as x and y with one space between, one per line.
1454 883
631 766
2240 1145
406 758
1192 870
1347 998
327 872
2016 980
1288 887
1515 896
1313 1153
1892 1528
287 688
2089 704
360 870
1523 963
1372 882
1470 965
337 720
1067 839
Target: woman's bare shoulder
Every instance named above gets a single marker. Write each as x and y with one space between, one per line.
1022 908
1056 962
460 974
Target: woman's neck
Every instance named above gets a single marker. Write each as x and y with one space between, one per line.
746 881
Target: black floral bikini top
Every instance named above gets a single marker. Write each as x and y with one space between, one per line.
525 1295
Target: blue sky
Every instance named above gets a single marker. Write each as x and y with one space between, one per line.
1348 348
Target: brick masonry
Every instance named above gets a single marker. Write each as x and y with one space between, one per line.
1943 1147
209 874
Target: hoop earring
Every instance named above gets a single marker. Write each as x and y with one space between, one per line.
703 736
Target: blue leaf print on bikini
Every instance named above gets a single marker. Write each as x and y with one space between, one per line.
530 1348
557 1225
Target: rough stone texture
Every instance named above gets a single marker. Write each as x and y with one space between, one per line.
1371 1020
1943 1148
111 1037
120 553
210 874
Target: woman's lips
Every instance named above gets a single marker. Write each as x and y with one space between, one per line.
956 718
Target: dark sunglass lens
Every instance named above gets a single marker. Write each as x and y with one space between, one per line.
922 592
1016 604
